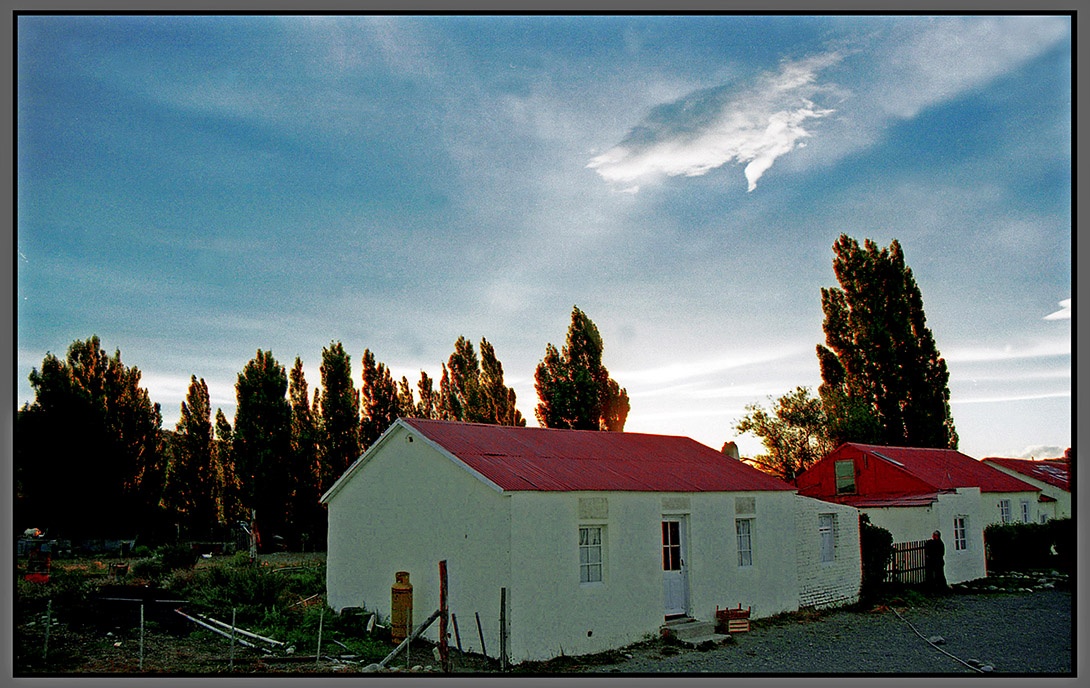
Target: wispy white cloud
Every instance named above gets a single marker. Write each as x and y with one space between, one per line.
892 74
933 63
1007 398
1040 349
712 127
1064 313
676 372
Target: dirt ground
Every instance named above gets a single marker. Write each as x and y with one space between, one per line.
175 646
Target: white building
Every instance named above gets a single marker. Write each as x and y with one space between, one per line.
913 492
1051 476
596 537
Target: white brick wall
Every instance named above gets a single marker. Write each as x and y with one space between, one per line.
827 584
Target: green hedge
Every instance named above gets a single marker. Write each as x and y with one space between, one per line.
1024 546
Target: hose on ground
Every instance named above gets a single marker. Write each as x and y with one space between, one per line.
958 659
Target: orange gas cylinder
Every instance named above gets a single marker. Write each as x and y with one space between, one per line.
401 607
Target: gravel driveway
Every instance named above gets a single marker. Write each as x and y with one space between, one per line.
1014 633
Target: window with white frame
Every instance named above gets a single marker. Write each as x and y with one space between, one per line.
1005 510
590 554
744 529
1025 511
827 533
961 528
1044 517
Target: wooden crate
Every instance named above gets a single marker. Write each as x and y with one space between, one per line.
732 620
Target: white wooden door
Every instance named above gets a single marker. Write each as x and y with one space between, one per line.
675 582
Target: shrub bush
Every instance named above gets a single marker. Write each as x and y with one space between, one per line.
148 570
1019 546
175 557
1061 533
877 548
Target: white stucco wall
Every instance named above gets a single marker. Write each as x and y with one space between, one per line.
769 586
406 509
967 564
826 584
994 514
551 612
908 524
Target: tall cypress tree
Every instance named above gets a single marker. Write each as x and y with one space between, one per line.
262 444
883 379
574 388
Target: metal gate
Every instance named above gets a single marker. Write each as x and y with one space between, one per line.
907 566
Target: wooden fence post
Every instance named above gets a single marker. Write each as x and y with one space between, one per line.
503 629
480 634
444 612
318 652
48 623
457 635
232 662
141 636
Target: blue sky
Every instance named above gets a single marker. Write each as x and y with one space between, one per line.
193 189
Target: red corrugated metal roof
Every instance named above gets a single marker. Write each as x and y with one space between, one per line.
863 501
543 459
1053 472
947 469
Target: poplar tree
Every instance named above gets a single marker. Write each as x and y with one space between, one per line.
460 388
472 389
193 474
340 415
574 388
306 513
379 406
89 459
406 404
261 444
497 398
428 404
883 380
226 485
